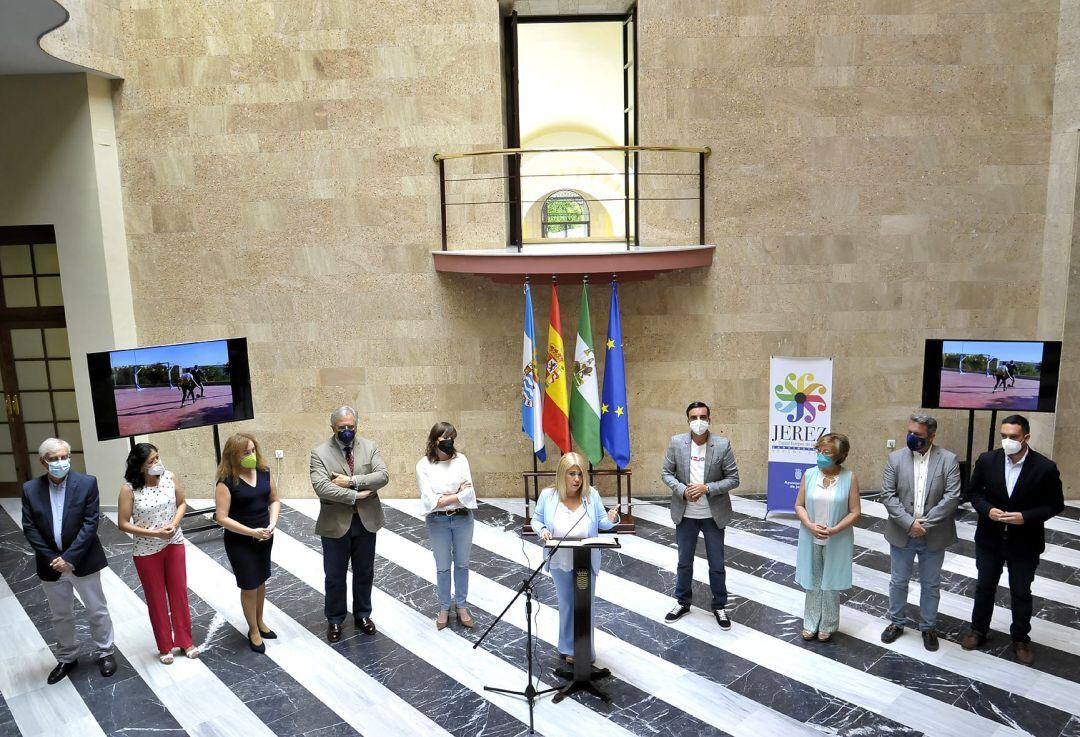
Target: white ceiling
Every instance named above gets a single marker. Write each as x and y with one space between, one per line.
22 23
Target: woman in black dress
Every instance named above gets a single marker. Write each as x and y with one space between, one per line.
248 508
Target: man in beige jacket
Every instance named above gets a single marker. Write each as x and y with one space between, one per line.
346 472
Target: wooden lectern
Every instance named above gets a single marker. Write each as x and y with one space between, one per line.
582 674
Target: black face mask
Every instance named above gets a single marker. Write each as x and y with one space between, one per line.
446 446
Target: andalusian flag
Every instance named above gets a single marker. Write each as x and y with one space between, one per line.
556 406
585 399
614 414
531 398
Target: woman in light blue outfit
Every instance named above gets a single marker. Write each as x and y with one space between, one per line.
828 506
448 500
573 510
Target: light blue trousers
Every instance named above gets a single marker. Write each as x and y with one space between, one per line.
564 588
451 541
822 610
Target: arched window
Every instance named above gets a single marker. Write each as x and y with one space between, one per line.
565 215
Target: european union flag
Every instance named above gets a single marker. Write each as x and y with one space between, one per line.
614 414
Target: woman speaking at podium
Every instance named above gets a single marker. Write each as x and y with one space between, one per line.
571 510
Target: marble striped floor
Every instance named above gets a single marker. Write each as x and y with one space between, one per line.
757 680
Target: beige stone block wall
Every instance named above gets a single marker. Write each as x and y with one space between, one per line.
279 184
878 177
1060 309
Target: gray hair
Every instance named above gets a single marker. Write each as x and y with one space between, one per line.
340 412
924 419
53 445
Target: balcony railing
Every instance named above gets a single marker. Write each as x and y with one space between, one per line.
607 178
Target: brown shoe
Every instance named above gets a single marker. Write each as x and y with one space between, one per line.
333 632
442 620
465 618
1024 653
973 639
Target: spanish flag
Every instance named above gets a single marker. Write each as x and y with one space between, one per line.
556 405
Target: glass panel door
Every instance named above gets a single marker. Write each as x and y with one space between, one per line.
36 381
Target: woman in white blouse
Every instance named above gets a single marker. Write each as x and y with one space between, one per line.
150 507
447 498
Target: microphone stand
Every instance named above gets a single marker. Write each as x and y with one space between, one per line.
530 693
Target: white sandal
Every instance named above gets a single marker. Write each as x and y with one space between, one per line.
166 658
190 652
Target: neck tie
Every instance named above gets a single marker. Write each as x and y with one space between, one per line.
349 460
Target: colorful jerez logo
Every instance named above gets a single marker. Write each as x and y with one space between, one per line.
802 398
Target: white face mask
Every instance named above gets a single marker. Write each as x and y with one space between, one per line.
158 469
1011 447
699 427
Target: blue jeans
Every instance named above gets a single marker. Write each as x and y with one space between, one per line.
451 541
930 562
686 536
564 590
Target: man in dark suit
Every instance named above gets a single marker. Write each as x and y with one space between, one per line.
60 520
699 468
1015 490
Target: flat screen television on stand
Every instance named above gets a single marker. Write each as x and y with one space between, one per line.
1003 375
169 387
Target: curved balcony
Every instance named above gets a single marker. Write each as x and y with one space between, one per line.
625 212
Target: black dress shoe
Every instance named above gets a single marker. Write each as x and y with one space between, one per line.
678 612
268 634
260 648
929 640
333 632
891 632
365 625
61 670
107 665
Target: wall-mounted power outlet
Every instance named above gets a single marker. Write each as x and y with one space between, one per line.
890 443
279 454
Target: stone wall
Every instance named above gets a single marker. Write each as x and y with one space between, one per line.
879 175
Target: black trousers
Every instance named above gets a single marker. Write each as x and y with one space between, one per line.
356 545
989 562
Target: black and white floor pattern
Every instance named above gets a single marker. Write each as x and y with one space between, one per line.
757 680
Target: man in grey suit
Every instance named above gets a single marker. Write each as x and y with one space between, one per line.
346 473
699 468
921 490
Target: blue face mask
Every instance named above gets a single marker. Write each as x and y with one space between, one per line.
915 443
59 469
823 461
346 436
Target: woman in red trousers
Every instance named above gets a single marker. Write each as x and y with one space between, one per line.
150 507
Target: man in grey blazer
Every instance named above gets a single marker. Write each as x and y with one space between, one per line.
921 490
699 468
346 473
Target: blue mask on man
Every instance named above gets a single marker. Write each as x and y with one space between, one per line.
346 436
916 443
823 461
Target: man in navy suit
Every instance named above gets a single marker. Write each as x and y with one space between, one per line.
60 520
1014 490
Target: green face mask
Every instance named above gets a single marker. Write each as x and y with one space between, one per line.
249 461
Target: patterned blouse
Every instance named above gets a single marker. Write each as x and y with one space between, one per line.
154 507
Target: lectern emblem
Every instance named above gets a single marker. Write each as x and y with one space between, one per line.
582 580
